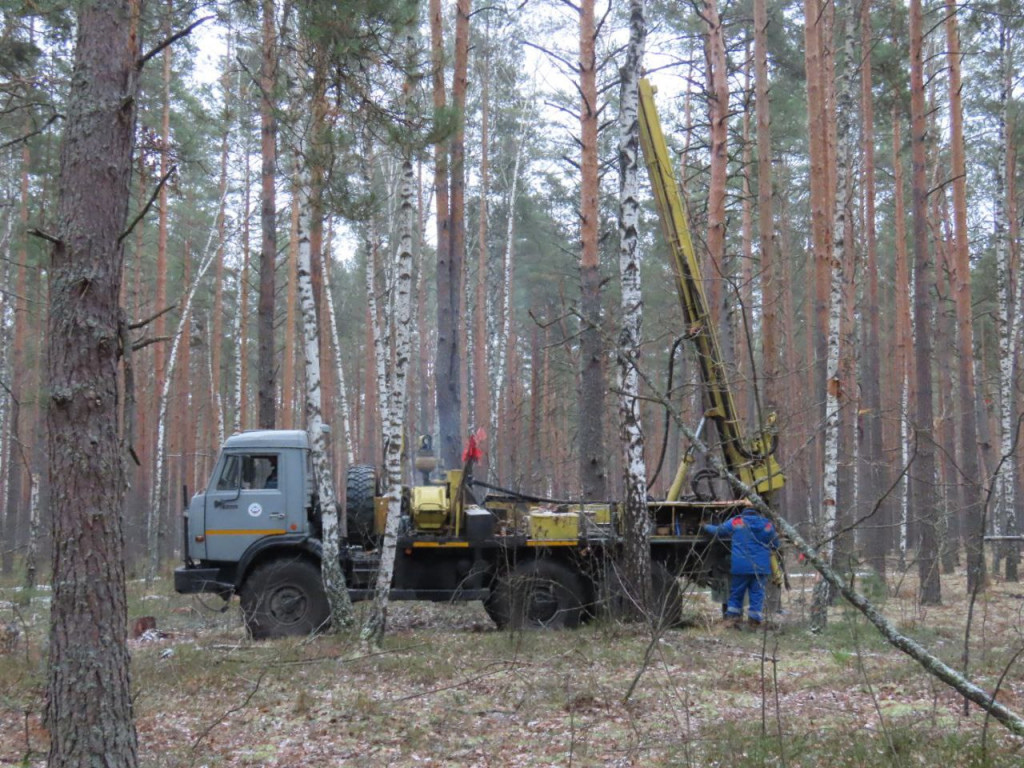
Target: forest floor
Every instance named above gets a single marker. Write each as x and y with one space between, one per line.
450 690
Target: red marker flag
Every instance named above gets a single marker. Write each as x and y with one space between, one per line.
473 452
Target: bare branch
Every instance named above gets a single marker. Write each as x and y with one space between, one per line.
27 136
171 40
45 236
149 204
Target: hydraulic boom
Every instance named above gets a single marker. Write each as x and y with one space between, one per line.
750 460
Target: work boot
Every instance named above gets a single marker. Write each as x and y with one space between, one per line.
754 624
732 622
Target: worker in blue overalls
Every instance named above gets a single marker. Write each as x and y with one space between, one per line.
753 539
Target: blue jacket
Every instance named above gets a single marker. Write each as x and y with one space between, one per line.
753 540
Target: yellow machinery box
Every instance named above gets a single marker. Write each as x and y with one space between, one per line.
554 526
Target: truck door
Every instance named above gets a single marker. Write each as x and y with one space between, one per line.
245 502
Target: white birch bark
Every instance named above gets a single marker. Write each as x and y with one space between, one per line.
330 563
346 418
335 588
636 565
32 545
241 310
1006 319
501 343
834 395
156 500
376 622
240 347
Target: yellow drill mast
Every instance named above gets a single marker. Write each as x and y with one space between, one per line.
752 460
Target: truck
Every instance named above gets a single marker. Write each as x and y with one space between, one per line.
256 530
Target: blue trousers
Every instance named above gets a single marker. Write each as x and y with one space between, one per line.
741 584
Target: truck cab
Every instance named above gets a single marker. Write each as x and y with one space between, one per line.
259 498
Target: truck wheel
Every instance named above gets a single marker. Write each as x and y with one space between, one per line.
540 594
284 598
611 602
360 489
668 597
496 606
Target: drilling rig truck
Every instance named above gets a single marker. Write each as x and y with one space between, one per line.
256 529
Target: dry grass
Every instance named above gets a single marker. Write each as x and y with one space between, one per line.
448 689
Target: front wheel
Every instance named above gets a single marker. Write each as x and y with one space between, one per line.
284 598
540 594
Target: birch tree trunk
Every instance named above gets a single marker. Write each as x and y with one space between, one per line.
902 360
32 541
1006 317
330 564
636 553
836 398
499 362
242 304
346 420
817 128
156 498
376 621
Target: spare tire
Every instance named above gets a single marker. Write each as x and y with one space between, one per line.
360 490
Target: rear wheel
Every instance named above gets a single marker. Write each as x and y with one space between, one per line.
284 598
540 594
497 608
360 490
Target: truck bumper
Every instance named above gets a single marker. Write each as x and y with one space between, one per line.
192 581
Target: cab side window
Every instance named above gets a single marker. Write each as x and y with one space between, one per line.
259 472
230 474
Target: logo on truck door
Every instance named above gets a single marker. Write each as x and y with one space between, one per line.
255 510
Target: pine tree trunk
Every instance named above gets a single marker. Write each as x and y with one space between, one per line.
873 462
765 222
923 472
266 360
718 117
89 700
970 475
593 472
481 340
